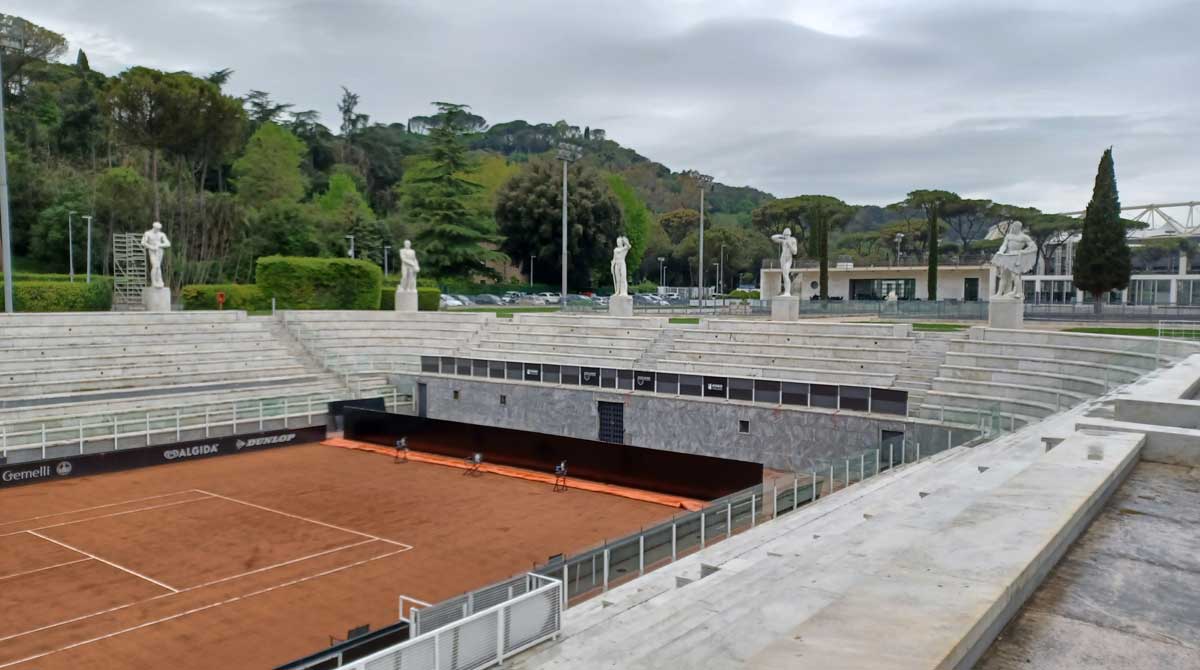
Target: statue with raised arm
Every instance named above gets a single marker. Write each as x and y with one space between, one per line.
788 250
409 267
154 241
1016 256
619 273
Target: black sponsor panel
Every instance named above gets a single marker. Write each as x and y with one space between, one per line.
550 373
533 372
430 364
589 376
570 375
352 649
625 379
823 395
691 385
448 365
479 368
608 378
741 389
795 393
179 452
889 401
515 370
668 383
766 390
694 476
496 369
643 381
716 387
337 407
856 398
463 367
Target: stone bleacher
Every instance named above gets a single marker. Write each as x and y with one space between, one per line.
600 341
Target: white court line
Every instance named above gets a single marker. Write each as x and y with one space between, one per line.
88 509
106 516
302 518
185 590
48 567
201 608
110 563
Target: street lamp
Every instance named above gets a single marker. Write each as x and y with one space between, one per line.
662 272
88 218
531 257
387 250
704 181
721 275
899 239
10 41
567 153
70 246
351 238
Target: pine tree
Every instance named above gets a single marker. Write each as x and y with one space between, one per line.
452 231
1102 261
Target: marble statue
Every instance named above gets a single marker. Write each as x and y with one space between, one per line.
1016 256
789 248
154 241
409 267
619 273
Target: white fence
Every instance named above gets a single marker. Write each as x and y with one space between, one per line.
110 431
482 639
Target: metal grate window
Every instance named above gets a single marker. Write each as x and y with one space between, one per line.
612 422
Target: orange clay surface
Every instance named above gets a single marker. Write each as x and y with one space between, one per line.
253 560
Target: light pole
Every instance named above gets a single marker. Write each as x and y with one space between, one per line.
387 250
567 153
662 272
88 218
703 181
721 275
70 246
351 238
5 223
899 239
531 257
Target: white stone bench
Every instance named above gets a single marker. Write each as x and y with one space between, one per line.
147 382
1173 347
117 318
986 404
1058 398
552 358
588 321
781 361
1085 386
814 376
813 339
564 347
1138 361
1115 374
808 327
559 338
26 360
365 316
572 330
800 350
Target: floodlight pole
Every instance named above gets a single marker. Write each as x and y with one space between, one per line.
567 153
70 245
5 223
351 238
662 272
387 250
703 180
531 257
89 248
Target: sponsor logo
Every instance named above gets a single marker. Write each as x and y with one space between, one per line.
716 387
589 376
63 468
531 372
191 452
270 439
40 472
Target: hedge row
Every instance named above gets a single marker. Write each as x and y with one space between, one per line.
319 283
429 299
247 297
53 295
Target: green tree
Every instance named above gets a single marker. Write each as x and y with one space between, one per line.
1102 259
810 217
932 203
269 170
453 236
30 43
637 219
678 223
529 213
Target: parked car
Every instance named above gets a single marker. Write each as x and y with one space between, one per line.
647 299
512 297
600 300
575 298
449 301
531 300
549 296
465 300
488 299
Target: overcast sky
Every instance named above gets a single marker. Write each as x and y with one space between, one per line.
861 99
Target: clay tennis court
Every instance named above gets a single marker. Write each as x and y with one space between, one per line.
250 561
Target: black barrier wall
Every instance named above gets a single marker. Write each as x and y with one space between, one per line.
127 459
689 475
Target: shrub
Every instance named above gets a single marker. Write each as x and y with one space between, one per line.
63 296
237 296
744 295
387 298
644 287
320 283
428 299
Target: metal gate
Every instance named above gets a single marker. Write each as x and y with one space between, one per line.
612 422
129 271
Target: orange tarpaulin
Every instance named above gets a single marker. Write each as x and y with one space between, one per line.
689 504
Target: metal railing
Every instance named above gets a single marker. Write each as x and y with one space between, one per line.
24 441
596 570
1110 312
481 639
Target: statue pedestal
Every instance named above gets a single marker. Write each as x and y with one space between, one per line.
406 301
785 308
156 299
1006 312
620 305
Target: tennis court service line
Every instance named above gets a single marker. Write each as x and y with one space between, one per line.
48 567
106 562
95 507
106 516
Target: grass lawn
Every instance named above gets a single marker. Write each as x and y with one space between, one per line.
685 319
505 312
1139 332
941 327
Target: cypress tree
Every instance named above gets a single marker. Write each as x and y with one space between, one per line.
1102 260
